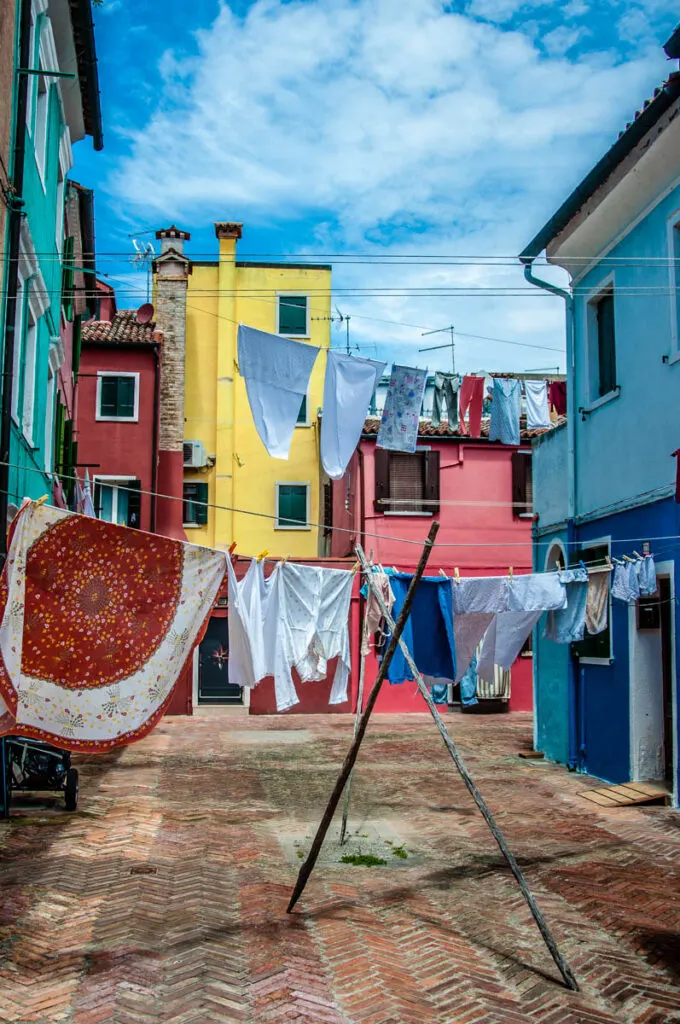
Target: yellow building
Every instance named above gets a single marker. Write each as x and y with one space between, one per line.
238 474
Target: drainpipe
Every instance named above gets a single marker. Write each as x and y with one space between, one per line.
154 440
573 667
362 499
13 249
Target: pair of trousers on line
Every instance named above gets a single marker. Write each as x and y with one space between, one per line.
446 387
471 401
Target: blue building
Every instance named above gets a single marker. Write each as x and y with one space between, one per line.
55 103
604 484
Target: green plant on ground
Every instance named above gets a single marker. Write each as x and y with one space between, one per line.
366 860
400 851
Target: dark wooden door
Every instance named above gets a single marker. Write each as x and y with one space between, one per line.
667 674
213 667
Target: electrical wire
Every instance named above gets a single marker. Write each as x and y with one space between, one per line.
342 529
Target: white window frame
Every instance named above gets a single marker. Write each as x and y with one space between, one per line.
673 234
31 78
116 419
18 345
293 483
30 358
308 325
41 127
585 546
114 481
593 400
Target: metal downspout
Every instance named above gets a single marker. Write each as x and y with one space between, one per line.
572 675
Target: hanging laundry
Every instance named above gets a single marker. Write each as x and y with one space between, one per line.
503 608
468 683
538 413
88 505
97 622
373 615
471 401
626 582
567 625
597 604
398 430
348 389
428 632
446 387
646 573
247 604
505 410
276 371
557 397
504 639
439 689
305 624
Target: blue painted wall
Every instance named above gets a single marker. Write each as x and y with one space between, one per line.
551 660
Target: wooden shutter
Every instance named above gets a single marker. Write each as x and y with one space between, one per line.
67 278
202 509
521 483
134 504
431 485
382 480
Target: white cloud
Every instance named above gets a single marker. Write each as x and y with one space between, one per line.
372 116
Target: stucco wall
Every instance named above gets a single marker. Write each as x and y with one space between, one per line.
551 481
110 448
623 447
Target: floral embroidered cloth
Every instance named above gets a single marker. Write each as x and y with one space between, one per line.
97 622
399 424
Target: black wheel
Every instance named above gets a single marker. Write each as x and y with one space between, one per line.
71 790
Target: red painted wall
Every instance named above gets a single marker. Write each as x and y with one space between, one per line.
118 449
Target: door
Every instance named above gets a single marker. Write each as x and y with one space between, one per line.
667 675
213 666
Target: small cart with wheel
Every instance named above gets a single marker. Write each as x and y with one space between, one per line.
36 766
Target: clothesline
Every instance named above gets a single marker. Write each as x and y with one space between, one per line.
353 532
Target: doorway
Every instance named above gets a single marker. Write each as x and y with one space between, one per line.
213 666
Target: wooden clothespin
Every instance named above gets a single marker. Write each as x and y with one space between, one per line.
637 555
627 558
262 554
285 559
456 575
609 561
442 573
41 501
511 572
232 547
355 568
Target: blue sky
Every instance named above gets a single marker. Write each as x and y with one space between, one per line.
380 127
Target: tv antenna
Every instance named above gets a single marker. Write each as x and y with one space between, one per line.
142 260
451 344
339 318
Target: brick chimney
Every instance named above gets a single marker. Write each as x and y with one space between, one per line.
172 269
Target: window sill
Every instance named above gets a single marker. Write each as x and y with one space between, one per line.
277 527
193 526
303 425
116 419
599 402
525 515
296 337
596 661
673 359
427 515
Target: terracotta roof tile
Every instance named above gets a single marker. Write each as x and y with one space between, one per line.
426 429
123 328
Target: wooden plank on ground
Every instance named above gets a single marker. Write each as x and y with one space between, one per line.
627 794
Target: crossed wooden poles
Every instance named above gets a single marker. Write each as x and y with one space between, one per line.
346 771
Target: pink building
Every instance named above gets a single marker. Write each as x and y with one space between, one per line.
480 491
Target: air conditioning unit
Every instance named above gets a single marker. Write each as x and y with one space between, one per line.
195 455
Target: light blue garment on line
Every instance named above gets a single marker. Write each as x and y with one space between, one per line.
567 625
468 684
348 389
399 424
505 410
276 371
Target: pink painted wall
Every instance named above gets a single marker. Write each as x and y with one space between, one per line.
120 449
484 536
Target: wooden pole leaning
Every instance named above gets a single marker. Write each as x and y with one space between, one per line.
563 966
397 628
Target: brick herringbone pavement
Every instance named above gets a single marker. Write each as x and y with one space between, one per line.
162 901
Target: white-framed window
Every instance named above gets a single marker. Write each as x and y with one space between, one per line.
596 648
18 347
292 506
601 328
117 396
117 499
28 391
49 422
292 315
303 415
674 271
42 111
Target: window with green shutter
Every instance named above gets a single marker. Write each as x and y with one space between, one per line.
195 504
291 506
292 315
117 396
302 415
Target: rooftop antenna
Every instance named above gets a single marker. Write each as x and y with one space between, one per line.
451 344
142 260
339 318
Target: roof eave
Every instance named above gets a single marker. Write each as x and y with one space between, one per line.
626 142
83 30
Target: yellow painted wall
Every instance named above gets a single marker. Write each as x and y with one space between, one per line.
217 411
